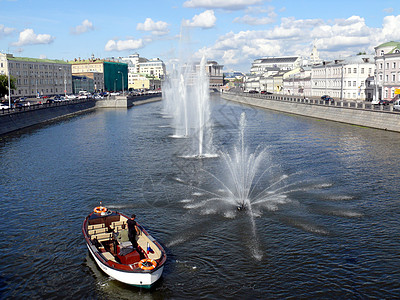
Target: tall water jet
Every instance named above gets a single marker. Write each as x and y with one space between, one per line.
186 95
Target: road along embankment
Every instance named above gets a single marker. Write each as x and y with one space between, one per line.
339 111
19 119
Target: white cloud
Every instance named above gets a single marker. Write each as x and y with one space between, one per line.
253 16
204 20
121 45
157 28
388 10
5 30
333 39
223 4
390 30
84 27
29 37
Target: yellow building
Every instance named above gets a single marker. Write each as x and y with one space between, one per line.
138 81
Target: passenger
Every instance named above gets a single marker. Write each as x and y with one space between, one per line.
123 235
133 230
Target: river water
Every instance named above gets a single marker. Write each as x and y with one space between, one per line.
330 228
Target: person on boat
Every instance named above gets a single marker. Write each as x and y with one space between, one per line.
133 230
123 235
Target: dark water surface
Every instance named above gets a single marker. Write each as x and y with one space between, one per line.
329 228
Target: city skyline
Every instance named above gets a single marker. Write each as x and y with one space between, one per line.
234 33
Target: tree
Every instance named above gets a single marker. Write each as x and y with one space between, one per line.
4 85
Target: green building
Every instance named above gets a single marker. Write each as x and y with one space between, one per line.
115 74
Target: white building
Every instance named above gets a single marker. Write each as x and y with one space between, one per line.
344 79
142 72
36 76
387 62
298 82
285 63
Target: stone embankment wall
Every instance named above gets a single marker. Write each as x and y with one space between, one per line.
339 111
18 119
127 101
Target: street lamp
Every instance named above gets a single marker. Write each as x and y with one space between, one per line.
65 82
9 84
122 82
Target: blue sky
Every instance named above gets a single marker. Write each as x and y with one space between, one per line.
232 32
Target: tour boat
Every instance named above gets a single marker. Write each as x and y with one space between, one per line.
142 266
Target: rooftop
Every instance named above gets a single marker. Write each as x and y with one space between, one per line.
40 60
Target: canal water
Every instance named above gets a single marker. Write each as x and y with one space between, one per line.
327 227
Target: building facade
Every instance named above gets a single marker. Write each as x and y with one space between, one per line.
114 74
344 79
284 63
387 77
33 76
215 74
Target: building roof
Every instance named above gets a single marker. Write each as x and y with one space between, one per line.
359 59
389 44
289 59
40 60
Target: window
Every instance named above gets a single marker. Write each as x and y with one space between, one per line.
382 52
349 83
354 83
355 70
392 92
387 65
394 65
387 77
393 77
369 71
380 65
349 71
362 70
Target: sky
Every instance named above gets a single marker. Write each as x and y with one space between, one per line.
232 32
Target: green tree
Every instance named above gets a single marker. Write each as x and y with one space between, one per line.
4 85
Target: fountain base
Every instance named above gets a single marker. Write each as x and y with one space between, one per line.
241 207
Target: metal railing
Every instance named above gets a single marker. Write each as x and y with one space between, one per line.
361 105
26 108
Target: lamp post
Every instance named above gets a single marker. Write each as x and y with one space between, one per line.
122 82
65 82
9 84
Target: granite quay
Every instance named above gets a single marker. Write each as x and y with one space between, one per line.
29 115
350 112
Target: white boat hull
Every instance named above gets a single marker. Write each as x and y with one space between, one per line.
136 279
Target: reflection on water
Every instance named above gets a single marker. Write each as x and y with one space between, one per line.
328 230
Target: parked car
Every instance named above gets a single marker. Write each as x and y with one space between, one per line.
324 97
253 92
384 102
375 102
329 99
396 105
4 106
266 93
